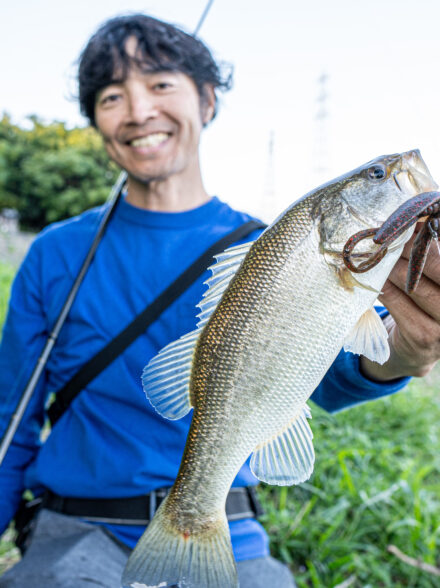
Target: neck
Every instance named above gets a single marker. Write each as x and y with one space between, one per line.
166 195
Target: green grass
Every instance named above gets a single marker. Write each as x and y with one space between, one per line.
7 272
376 483
8 552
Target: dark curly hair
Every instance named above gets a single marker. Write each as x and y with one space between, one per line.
160 47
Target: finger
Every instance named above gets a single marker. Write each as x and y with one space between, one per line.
426 297
410 318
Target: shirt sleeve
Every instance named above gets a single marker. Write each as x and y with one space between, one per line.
344 385
24 335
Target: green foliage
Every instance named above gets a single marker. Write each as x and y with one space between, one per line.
8 552
376 483
49 172
6 275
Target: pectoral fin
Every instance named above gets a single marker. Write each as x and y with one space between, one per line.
369 338
287 458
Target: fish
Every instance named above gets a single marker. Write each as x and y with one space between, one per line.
276 314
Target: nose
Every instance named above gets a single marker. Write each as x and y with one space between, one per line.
142 105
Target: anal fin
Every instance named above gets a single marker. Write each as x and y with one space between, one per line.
287 458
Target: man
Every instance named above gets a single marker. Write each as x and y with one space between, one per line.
149 89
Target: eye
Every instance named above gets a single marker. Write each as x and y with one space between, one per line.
109 99
377 172
162 86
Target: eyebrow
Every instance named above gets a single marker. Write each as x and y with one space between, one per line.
121 80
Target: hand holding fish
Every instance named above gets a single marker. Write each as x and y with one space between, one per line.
412 291
414 321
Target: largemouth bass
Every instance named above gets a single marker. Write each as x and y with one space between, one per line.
274 318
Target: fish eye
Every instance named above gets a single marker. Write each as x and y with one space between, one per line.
377 172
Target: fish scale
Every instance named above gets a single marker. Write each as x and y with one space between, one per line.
274 318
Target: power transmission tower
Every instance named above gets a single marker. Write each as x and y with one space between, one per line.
269 205
321 162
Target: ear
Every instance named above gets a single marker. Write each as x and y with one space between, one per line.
207 104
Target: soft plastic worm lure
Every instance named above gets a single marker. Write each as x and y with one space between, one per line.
423 205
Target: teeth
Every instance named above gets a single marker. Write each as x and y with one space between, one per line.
150 140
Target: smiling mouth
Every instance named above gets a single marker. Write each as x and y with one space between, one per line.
152 140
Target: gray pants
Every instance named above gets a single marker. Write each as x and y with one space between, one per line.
68 553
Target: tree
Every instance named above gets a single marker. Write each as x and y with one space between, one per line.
49 172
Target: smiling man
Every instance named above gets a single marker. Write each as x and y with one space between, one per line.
149 88
151 123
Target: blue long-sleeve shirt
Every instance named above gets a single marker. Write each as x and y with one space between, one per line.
111 442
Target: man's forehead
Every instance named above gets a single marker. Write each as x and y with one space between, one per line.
132 46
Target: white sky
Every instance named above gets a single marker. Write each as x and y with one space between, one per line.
382 58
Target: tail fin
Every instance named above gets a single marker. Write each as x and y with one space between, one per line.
166 557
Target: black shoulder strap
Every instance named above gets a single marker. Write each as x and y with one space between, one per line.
142 321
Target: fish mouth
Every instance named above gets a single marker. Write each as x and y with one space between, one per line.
403 181
414 177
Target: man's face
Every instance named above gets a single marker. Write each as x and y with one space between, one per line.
151 122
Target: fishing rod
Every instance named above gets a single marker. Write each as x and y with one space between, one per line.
203 17
114 198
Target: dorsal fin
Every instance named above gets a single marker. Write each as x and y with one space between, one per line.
226 266
166 378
